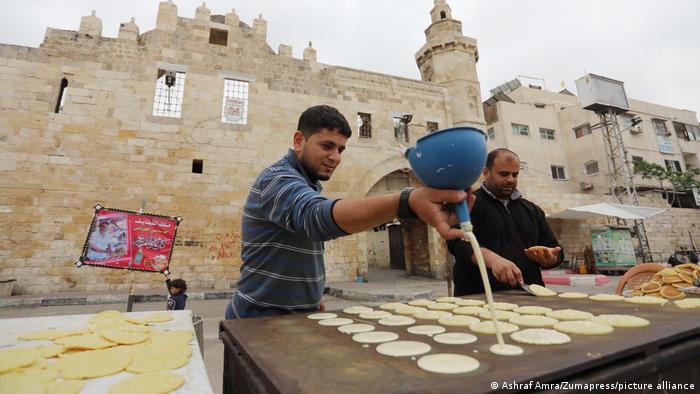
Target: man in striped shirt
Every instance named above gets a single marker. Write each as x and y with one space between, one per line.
286 220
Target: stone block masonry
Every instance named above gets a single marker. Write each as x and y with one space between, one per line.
106 146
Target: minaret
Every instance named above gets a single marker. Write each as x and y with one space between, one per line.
449 58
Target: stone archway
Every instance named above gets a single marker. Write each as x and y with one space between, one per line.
396 245
363 186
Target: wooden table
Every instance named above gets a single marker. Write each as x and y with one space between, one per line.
293 354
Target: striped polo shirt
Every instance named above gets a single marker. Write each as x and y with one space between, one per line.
285 222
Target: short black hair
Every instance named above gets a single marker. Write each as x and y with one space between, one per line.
494 153
179 284
320 117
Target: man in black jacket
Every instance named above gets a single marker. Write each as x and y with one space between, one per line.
506 225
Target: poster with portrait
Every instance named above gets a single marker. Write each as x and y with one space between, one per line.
129 240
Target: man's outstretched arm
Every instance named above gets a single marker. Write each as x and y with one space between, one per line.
360 214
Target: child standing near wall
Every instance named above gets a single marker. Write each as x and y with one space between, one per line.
177 299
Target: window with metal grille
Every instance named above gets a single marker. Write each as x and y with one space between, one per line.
520 129
558 172
660 127
234 108
218 37
364 124
400 129
490 134
547 134
591 167
62 93
431 127
673 165
584 129
170 91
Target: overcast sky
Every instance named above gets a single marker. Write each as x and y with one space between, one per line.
651 45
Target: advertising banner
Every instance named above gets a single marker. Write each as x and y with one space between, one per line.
129 240
665 144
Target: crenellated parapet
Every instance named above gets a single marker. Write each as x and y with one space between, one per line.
91 25
129 31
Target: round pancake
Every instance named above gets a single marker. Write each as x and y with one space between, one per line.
540 336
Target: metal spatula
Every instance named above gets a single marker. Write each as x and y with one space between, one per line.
526 287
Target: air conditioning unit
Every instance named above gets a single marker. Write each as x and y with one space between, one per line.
636 130
585 185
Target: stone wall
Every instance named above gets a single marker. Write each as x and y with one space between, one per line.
106 147
416 248
666 232
378 249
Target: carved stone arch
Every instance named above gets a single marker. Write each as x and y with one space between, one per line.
363 185
409 246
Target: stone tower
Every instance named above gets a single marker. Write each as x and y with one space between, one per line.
449 58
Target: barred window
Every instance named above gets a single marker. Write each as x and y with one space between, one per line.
234 108
170 91
431 127
401 129
591 167
364 124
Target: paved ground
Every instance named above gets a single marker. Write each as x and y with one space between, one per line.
383 285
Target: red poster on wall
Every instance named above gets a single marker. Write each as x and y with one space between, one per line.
129 240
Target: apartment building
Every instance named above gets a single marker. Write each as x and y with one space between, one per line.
557 139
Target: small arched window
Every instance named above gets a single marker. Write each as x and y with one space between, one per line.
62 93
443 15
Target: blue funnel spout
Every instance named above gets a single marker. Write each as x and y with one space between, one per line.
450 159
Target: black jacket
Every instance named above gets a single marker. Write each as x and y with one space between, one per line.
507 231
176 302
